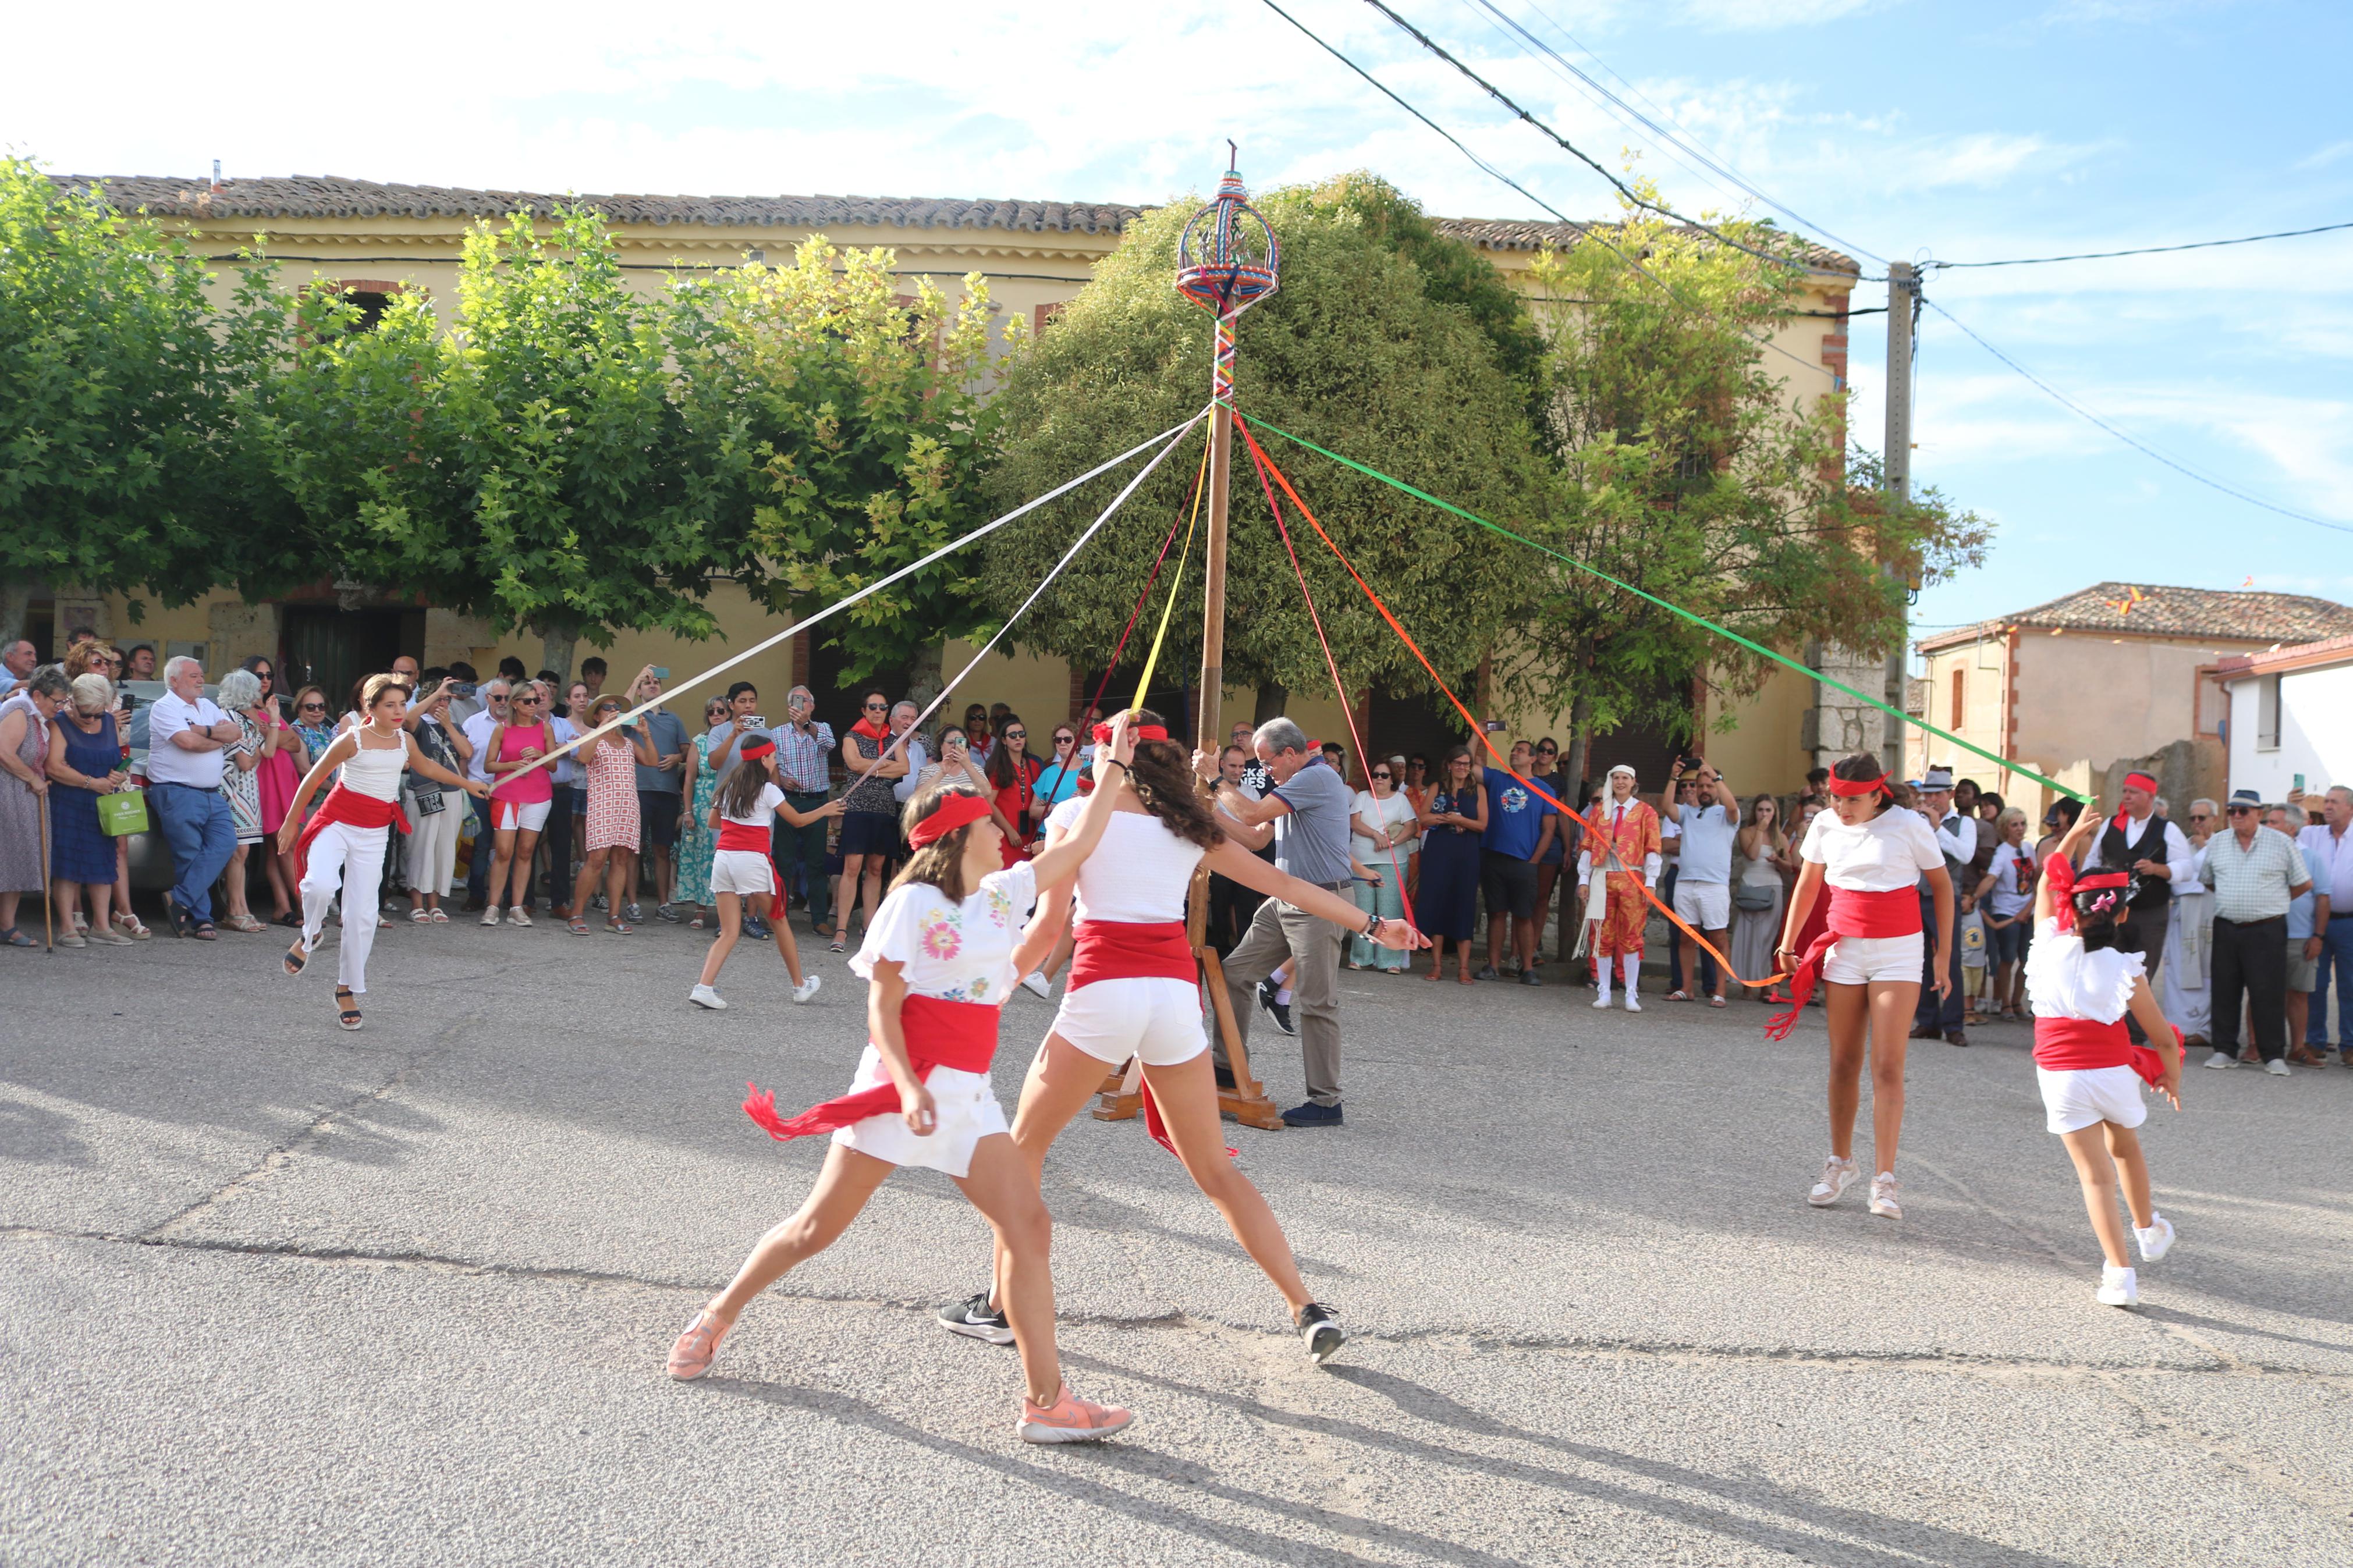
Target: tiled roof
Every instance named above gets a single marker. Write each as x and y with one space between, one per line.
332 197
2304 655
2149 610
1514 234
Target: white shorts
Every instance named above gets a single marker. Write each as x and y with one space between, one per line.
1859 959
742 872
530 816
1707 905
1150 1016
967 1109
2076 1098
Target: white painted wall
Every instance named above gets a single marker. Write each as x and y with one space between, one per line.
2316 732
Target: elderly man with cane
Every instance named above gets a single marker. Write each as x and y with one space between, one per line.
1306 812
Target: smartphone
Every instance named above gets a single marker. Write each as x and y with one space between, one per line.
463 688
661 672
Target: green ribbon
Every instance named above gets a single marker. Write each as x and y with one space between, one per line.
1675 609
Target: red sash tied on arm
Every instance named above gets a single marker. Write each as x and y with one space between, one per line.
1852 913
351 808
959 1035
2065 1045
1137 950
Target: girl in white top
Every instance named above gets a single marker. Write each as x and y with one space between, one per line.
2080 986
1873 853
346 842
944 936
742 813
1160 830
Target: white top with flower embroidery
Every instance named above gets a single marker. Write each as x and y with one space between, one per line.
955 952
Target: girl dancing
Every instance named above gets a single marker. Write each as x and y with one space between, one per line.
747 804
1135 991
1873 853
344 845
939 955
2079 987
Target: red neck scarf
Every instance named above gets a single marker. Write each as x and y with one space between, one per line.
1852 913
871 731
959 1035
349 806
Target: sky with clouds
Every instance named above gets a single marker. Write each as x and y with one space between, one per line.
1912 130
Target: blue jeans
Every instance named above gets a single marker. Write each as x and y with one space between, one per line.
196 823
2337 958
1943 1016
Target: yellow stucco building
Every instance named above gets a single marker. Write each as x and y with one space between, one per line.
373 238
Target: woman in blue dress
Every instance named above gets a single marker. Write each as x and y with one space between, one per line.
1446 905
85 761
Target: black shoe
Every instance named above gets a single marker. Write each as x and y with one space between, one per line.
975 1319
1530 977
1224 1075
1312 1115
1278 1011
757 930
1318 1326
1489 972
1955 1037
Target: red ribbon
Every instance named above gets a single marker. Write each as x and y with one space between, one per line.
1853 787
1852 913
1140 731
2059 873
958 1034
955 810
2067 1045
351 808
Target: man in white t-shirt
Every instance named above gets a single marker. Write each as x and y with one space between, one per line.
478 730
1705 832
186 734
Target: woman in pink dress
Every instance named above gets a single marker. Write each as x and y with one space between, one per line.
611 846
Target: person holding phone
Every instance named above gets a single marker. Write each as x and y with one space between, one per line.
805 745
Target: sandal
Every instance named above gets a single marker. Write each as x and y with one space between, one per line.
440 916
1716 1001
291 919
576 926
421 915
204 931
12 937
296 958
347 1010
128 924
1678 996
245 924
620 927
695 924
836 946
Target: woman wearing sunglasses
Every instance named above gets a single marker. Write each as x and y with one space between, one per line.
519 804
1013 776
696 840
870 821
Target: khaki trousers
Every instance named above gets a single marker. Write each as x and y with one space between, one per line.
1312 944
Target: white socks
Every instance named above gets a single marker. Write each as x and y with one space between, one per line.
1282 997
1631 964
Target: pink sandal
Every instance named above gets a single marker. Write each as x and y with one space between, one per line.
691 1357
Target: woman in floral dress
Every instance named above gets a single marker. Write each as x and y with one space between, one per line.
695 842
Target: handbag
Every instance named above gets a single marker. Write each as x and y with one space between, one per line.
1752 896
429 801
122 811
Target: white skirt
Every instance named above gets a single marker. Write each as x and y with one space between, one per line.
1860 960
968 1112
2077 1097
1148 1015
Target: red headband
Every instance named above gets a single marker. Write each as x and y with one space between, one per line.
1851 787
2140 781
955 810
2066 884
752 751
1140 733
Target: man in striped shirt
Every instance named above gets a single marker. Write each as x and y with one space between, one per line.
2255 872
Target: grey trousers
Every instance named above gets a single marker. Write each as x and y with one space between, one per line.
1278 930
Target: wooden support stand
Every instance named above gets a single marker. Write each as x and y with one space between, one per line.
1120 1098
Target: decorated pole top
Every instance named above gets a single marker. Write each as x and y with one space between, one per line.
1226 261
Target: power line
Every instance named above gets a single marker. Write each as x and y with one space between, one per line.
1672 135
2145 250
2142 447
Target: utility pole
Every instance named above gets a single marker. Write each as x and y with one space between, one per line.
1902 295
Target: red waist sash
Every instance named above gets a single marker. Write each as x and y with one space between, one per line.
1852 913
959 1035
745 836
1132 950
2072 1044
353 809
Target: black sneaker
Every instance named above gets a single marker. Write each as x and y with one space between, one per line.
1530 977
975 1319
1313 1115
757 928
1278 1011
1319 1326
1488 972
1224 1076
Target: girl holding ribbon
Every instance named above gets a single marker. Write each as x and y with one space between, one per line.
1134 993
344 845
1871 853
939 955
2080 986
745 807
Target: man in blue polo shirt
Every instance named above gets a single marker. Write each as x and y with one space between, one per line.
1520 827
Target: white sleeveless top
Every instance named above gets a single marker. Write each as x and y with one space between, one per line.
1139 872
375 774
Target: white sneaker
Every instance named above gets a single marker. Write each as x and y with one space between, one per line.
2276 1067
2118 1287
1838 1175
1602 1000
1884 1197
490 915
2156 1240
1037 985
519 916
705 997
2222 1059
1632 1005
804 990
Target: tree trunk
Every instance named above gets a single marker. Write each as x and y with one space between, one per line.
15 599
555 650
925 674
1580 723
1272 697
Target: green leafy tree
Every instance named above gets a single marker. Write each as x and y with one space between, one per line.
1688 470
1363 350
835 426
129 457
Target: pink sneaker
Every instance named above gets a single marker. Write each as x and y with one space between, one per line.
692 1356
1069 1419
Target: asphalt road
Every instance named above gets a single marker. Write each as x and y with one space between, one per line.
273 1293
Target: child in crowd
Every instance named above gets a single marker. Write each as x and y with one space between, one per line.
2080 986
742 875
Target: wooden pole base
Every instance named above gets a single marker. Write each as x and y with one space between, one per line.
1120 1098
